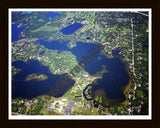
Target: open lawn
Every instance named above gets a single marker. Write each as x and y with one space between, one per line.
46 28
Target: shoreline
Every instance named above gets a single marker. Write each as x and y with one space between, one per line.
129 85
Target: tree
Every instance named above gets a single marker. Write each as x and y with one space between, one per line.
100 100
14 108
96 99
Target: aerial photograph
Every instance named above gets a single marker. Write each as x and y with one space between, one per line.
79 62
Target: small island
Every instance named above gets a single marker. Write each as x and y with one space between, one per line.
38 77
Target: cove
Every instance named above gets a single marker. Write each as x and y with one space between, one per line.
33 88
16 31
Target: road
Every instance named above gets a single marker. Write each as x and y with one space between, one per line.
140 13
132 48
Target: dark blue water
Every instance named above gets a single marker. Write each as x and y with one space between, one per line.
88 38
113 81
68 18
42 52
54 45
116 51
16 31
33 88
52 15
71 29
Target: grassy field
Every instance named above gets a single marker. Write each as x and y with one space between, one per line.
90 17
94 111
46 112
46 28
70 15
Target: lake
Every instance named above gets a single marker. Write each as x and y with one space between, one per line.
52 15
88 38
33 88
113 82
71 29
111 85
16 31
42 52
